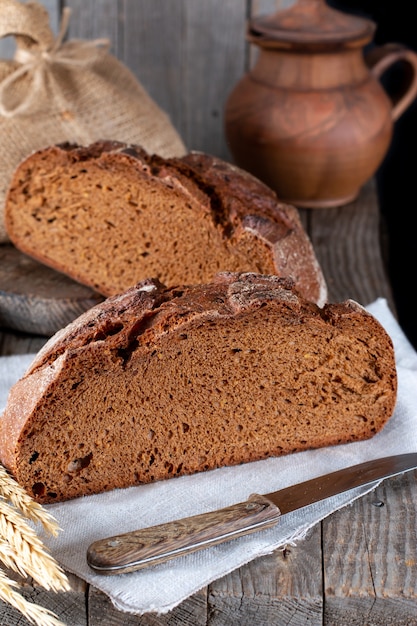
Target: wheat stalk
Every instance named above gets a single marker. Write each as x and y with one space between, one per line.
22 551
35 614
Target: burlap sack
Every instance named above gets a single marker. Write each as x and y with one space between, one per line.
54 91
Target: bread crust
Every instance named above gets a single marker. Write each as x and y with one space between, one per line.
159 382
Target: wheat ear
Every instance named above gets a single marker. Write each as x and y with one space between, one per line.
35 614
29 553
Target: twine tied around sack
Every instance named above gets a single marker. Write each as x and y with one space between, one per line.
36 63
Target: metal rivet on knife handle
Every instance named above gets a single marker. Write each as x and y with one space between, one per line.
150 546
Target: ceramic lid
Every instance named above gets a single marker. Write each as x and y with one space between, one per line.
310 23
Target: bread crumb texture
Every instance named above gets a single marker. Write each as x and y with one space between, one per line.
109 215
160 382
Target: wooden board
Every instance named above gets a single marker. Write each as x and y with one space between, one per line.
36 299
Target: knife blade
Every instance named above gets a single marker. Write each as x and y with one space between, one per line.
141 548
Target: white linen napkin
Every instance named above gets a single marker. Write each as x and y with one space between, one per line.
160 588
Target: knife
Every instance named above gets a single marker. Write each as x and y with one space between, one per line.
157 544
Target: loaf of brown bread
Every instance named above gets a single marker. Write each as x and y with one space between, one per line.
110 215
159 382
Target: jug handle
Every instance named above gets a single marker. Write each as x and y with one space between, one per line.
382 58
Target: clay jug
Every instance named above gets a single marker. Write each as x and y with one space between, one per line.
312 118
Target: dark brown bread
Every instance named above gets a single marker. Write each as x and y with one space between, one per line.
159 382
109 215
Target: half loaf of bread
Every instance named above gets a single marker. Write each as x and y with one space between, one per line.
110 215
158 382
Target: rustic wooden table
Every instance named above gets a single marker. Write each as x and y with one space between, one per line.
359 566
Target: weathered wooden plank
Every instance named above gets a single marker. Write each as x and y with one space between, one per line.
192 611
150 43
215 60
19 343
347 244
70 606
95 19
282 588
370 562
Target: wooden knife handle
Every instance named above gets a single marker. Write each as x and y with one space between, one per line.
150 546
